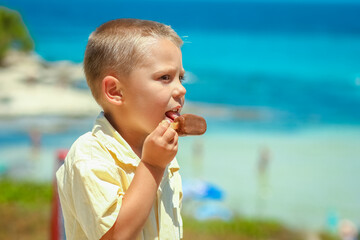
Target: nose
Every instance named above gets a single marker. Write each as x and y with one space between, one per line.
179 90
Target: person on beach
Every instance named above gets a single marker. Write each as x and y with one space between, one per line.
122 181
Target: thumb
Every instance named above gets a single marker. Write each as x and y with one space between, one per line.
162 127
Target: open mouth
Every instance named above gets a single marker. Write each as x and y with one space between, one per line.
172 114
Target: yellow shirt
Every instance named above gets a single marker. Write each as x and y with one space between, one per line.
94 178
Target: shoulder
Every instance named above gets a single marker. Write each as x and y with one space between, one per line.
86 159
85 141
85 147
87 152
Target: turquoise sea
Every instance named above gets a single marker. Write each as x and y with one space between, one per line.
300 59
276 76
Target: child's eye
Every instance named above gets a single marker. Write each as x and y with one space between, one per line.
182 79
165 77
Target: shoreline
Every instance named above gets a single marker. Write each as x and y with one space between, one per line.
31 86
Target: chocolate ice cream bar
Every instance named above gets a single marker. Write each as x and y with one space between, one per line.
189 124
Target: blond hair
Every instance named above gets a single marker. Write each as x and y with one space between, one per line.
118 46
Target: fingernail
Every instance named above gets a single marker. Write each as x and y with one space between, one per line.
165 123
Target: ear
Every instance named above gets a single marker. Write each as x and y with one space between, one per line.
111 88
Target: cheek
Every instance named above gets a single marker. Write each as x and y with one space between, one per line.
153 100
157 108
154 107
161 97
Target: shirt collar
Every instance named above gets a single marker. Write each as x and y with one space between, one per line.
114 142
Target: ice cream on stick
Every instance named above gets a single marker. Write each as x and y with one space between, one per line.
189 124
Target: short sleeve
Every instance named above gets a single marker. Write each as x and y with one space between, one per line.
97 193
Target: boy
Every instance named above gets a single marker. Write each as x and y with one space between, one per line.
121 181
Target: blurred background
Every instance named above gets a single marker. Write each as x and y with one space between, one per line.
278 82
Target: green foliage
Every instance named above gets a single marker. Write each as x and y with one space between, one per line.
328 236
19 200
13 32
244 228
25 193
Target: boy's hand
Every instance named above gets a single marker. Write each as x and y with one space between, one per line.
161 146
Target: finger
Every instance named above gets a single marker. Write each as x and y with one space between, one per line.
169 135
162 127
175 140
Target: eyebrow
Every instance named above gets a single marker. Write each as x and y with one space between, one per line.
165 70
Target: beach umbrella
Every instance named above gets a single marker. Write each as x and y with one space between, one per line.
201 190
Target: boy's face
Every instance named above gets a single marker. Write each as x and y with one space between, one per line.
154 92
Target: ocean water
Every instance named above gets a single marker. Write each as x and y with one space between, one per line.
266 75
298 59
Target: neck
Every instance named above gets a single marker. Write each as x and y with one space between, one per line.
135 142
133 138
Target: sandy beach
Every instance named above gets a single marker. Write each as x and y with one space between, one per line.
30 86
311 174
